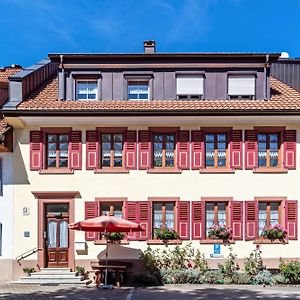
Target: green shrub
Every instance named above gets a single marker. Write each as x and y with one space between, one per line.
200 262
147 278
230 267
290 270
80 270
28 270
254 263
214 277
182 276
240 278
279 279
264 277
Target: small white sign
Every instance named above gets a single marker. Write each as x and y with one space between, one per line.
80 246
25 210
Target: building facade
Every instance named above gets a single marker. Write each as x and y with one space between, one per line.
177 140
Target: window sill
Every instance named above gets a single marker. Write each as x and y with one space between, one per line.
161 242
217 242
111 171
56 171
267 241
217 170
104 242
270 170
164 171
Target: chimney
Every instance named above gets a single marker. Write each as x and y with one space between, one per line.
149 47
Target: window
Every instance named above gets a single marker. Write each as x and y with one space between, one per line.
189 87
164 150
163 215
215 150
241 87
215 213
138 90
268 214
268 150
112 209
57 150
86 90
112 150
1 178
0 239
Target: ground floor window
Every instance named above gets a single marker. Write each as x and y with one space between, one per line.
163 215
216 214
268 214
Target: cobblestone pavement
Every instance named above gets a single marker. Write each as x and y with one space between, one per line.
35 291
221 292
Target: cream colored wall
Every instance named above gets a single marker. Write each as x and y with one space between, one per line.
138 186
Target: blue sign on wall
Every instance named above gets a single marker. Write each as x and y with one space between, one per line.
217 249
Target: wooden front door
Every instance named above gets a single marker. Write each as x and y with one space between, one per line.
57 231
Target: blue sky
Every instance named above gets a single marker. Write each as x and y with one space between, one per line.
30 29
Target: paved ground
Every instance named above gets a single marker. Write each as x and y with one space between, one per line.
33 291
180 292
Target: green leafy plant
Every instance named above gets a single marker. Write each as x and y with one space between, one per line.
240 278
279 279
264 277
165 234
214 277
254 263
275 232
80 270
182 276
290 270
147 278
114 236
230 267
221 232
200 262
28 270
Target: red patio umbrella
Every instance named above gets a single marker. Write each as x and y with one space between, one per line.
106 224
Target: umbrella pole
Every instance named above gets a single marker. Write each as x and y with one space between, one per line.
106 260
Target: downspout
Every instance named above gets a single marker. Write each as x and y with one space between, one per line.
266 78
61 80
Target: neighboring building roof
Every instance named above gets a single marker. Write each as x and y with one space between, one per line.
3 125
6 72
283 98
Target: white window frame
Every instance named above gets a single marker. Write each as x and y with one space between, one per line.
138 80
77 81
196 92
238 92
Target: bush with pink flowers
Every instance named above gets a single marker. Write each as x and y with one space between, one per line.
275 232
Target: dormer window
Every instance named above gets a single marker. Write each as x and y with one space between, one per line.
86 90
138 90
241 87
189 87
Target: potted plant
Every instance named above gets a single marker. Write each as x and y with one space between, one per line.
220 232
80 271
275 232
114 236
165 234
28 270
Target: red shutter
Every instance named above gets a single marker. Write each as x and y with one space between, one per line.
130 149
251 231
289 161
144 149
291 223
36 150
183 219
236 149
130 215
237 220
92 150
250 149
197 149
144 218
91 211
183 149
75 150
198 220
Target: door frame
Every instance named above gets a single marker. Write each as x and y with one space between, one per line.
54 198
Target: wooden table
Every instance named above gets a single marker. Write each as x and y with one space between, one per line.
110 268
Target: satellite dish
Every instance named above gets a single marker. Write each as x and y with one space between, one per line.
284 55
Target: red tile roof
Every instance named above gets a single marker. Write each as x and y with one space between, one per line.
3 125
283 98
6 72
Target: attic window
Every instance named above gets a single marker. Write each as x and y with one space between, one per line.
86 90
241 87
189 87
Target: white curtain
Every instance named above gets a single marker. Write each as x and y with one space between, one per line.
52 229
63 241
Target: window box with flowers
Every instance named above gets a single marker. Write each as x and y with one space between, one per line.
114 237
275 232
165 235
220 232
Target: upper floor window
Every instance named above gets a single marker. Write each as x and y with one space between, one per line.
138 90
241 87
268 150
112 150
86 90
215 150
189 87
215 214
57 150
164 150
111 208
